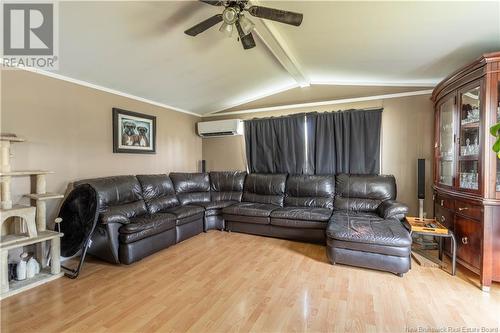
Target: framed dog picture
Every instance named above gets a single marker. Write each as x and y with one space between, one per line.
133 132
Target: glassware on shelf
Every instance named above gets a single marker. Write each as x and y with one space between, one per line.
470 106
469 176
472 114
469 180
470 149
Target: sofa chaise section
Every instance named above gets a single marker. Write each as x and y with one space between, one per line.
365 229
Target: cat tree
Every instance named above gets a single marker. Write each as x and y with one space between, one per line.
25 225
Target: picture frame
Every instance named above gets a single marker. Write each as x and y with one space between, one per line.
133 132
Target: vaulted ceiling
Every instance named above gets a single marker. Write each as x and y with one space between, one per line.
139 48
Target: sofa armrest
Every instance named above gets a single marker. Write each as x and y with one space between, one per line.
392 209
107 218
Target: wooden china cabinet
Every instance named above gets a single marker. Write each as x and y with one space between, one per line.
466 169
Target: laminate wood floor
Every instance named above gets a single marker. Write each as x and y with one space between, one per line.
227 282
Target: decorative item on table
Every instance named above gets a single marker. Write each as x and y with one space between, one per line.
133 132
426 225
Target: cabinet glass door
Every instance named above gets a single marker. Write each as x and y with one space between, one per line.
470 106
498 120
446 151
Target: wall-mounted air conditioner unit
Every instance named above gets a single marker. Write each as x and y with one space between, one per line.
218 128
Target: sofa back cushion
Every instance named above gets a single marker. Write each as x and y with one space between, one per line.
265 188
191 187
119 197
158 192
363 192
227 185
310 191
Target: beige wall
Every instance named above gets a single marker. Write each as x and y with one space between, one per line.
68 129
407 134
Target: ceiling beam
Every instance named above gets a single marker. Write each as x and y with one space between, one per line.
278 47
324 103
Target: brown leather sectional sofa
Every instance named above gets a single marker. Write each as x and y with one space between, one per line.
135 216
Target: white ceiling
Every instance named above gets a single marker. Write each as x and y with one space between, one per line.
391 42
139 48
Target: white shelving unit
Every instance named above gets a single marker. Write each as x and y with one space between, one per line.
25 225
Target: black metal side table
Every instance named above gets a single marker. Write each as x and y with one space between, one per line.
449 234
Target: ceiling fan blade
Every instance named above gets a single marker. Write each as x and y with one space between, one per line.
277 15
202 26
246 40
213 3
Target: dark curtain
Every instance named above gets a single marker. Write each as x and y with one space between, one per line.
279 145
260 140
348 141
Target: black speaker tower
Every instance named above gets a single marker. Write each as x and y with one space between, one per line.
421 186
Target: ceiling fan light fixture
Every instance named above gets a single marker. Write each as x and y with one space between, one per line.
226 29
246 24
230 14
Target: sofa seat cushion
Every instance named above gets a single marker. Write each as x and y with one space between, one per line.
214 208
246 219
337 214
303 224
302 213
216 204
145 226
182 212
250 209
369 231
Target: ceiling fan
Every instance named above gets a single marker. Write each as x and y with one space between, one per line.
233 18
